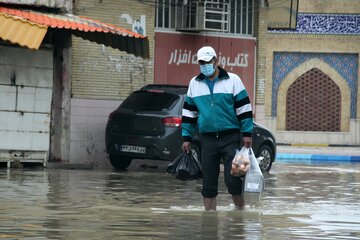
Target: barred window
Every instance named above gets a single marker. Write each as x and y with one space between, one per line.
226 16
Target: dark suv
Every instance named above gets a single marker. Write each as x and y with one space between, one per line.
147 125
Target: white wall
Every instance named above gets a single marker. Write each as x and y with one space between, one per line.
87 131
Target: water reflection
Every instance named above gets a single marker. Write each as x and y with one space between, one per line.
300 202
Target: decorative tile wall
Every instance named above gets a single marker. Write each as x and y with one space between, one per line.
345 64
325 24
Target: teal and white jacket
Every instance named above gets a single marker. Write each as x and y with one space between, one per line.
228 107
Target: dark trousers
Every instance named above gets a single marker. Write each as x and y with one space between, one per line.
213 150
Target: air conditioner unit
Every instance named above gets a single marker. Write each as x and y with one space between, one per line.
203 15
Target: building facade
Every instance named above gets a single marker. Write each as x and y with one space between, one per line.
307 79
102 77
35 78
302 82
228 26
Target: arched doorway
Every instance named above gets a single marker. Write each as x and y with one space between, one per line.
313 103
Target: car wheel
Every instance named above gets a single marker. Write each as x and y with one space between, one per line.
195 150
119 162
267 158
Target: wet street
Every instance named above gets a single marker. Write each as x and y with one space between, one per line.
301 201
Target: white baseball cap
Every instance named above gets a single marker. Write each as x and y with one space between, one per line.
206 54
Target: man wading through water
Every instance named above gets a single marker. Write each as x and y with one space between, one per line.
218 104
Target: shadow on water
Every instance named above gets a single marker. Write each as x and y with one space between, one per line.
300 201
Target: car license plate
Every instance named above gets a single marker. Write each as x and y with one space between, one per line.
132 149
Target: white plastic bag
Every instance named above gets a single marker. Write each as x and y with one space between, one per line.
240 163
254 180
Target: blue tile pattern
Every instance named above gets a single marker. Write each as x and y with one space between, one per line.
325 24
345 64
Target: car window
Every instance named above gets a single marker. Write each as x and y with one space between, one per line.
150 101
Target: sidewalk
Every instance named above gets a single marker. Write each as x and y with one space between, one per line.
318 153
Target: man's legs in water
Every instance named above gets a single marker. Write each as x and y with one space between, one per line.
210 203
238 201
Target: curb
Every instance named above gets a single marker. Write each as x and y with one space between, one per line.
65 165
317 157
317 145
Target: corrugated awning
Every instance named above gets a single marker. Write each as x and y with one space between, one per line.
28 28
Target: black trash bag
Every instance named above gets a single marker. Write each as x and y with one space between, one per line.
173 165
185 167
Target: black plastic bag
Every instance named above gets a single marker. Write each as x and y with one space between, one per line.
185 167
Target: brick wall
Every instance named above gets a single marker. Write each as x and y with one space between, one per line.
102 77
329 6
260 31
100 72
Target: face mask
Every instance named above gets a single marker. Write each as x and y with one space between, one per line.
207 69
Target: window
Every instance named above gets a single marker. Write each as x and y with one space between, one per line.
226 16
150 101
313 103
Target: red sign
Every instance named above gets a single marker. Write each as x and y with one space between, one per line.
175 57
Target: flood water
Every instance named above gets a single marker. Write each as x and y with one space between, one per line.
301 201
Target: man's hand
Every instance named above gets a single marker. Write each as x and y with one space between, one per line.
186 147
247 141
